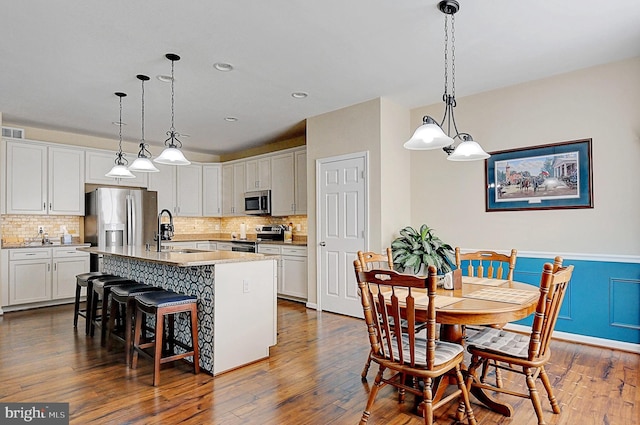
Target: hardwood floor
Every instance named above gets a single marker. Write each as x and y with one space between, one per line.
312 377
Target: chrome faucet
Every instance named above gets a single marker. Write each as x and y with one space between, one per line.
165 231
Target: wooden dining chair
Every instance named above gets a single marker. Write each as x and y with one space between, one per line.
487 264
369 261
525 354
491 265
414 360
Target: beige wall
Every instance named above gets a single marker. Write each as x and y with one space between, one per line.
602 103
366 127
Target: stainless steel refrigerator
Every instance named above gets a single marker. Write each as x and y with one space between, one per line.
120 217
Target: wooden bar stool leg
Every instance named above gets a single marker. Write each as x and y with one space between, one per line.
158 347
136 338
76 306
194 339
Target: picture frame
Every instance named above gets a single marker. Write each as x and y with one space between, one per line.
544 177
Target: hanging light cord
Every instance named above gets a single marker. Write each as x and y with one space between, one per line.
172 133
143 145
120 156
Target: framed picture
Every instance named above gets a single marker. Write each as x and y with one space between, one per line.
542 177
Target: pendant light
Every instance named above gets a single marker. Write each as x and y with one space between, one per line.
120 171
143 162
430 135
172 154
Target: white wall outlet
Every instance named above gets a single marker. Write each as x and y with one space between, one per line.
245 286
40 228
216 227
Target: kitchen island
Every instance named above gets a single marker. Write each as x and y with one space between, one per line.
236 297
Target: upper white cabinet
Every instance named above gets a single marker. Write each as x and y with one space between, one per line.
212 190
258 174
44 179
179 189
233 188
189 190
289 191
100 162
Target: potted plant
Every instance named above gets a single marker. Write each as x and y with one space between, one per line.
415 250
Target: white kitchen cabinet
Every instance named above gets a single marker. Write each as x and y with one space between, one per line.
258 174
39 275
29 275
212 190
179 189
189 190
44 179
233 188
224 246
300 173
289 176
292 269
100 162
209 246
67 264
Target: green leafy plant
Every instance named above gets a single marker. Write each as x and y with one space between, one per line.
414 248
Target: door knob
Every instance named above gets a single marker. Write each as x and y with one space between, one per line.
323 243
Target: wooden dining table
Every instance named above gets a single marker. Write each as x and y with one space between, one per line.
480 301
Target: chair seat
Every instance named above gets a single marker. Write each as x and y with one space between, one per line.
500 341
83 278
164 299
445 351
124 291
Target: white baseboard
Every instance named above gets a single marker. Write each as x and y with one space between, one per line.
582 339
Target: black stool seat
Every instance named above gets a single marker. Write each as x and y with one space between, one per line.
124 296
161 304
164 299
101 290
85 280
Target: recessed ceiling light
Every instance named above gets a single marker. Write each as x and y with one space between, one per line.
231 119
184 135
118 123
222 66
164 78
299 95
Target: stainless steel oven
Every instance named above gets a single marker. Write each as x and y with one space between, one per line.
257 203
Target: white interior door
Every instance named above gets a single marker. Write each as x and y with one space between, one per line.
342 215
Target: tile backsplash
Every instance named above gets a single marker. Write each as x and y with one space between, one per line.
17 228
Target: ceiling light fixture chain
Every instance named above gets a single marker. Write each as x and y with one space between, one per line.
143 162
172 154
120 156
119 170
430 135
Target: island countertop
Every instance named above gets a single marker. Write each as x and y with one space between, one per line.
178 257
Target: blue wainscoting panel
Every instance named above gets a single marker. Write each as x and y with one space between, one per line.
603 298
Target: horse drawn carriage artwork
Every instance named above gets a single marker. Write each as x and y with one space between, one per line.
542 177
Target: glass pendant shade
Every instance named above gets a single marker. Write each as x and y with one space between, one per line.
144 165
428 136
172 156
468 150
120 171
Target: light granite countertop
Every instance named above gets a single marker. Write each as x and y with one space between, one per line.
179 257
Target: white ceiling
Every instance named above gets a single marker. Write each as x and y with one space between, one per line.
63 60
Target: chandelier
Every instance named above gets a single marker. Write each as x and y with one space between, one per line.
430 135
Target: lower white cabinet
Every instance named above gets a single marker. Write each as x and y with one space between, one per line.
224 246
210 246
44 274
292 269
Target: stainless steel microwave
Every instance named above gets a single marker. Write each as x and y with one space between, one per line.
257 203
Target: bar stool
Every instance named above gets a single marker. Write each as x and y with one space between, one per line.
159 304
85 280
101 290
123 298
